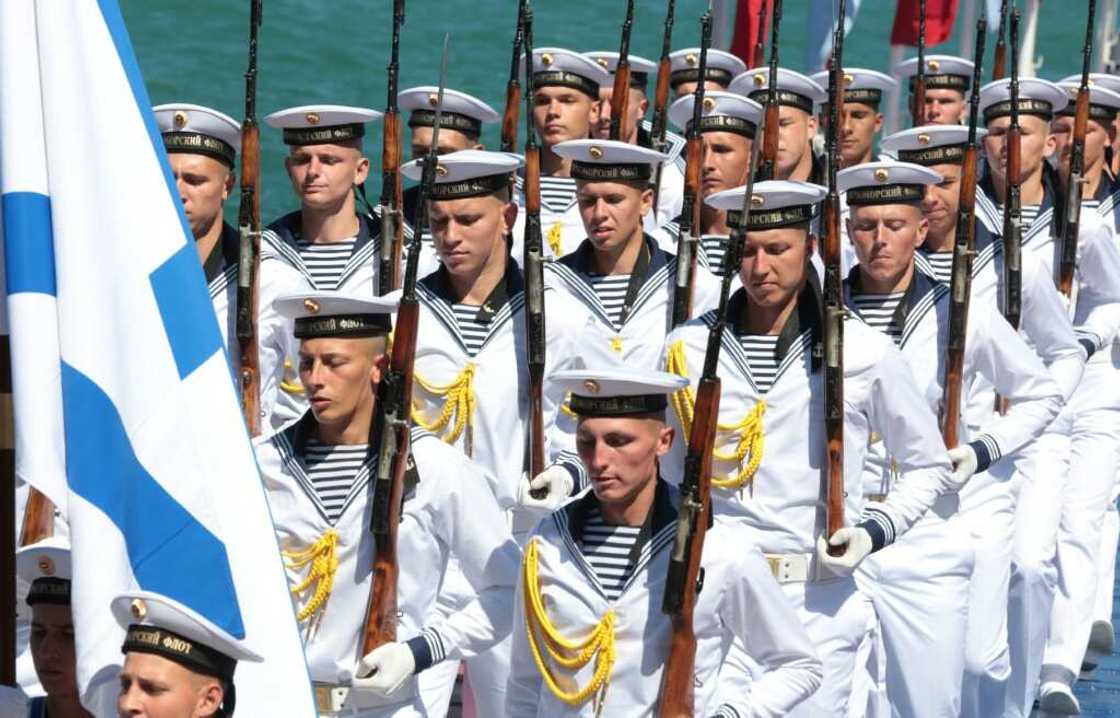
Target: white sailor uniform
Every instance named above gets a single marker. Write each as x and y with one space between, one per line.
448 513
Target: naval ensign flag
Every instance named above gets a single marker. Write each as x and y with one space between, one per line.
127 416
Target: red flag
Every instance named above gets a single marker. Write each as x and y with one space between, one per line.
940 15
748 28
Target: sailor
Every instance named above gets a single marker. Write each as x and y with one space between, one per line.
45 568
590 637
202 146
927 572
1046 327
728 123
770 445
798 97
948 80
177 663
565 107
639 131
317 475
860 118
719 70
619 274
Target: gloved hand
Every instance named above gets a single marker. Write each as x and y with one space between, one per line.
856 543
555 481
385 669
964 463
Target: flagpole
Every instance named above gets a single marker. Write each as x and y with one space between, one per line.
898 52
7 517
723 21
1028 65
968 29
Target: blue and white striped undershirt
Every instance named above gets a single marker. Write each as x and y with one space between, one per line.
558 193
611 291
942 265
878 311
607 548
761 351
332 469
472 331
325 261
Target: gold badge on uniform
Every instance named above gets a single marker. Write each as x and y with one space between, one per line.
312 118
709 104
433 99
546 59
46 566
757 200
690 58
138 608
591 385
180 119
882 174
759 80
311 306
603 62
595 152
441 170
934 65
848 79
923 139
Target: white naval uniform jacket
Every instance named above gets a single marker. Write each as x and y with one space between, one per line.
640 337
739 598
783 505
275 341
448 513
992 349
496 437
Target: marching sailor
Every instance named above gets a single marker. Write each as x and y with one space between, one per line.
860 118
948 81
771 402
926 573
720 69
317 475
589 634
565 107
177 663
202 147
619 273
798 96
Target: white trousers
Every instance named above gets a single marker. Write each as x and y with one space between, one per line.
1106 559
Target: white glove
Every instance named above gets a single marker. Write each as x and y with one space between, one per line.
556 483
964 463
856 543
385 669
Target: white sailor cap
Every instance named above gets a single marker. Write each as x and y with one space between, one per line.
942 72
1103 102
162 626
885 183
1100 79
198 130
1037 97
774 203
45 568
930 144
557 66
467 173
863 86
462 112
321 124
721 112
794 89
609 160
618 390
640 68
320 313
720 67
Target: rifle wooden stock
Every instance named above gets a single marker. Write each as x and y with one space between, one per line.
512 114
392 201
768 166
999 62
534 309
38 518
1074 186
758 56
661 97
620 99
249 221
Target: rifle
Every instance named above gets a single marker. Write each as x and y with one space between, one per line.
918 108
620 93
510 118
1012 210
8 543
38 518
960 285
389 431
533 262
661 96
999 63
768 165
1076 180
689 236
834 311
758 56
683 581
249 223
392 219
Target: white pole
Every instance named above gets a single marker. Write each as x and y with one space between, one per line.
968 30
1105 36
1028 66
898 53
722 19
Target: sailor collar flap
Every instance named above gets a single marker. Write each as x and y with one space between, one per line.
921 286
511 285
661 515
290 231
806 316
224 255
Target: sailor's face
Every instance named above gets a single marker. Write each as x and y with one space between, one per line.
204 184
339 375
621 453
684 89
562 113
774 265
155 687
795 129
323 176
52 648
467 232
885 238
636 106
1097 138
449 141
942 200
1036 144
612 211
858 125
944 107
726 159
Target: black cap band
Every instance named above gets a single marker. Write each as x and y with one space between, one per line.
1027 106
447 120
960 83
474 187
1101 113
639 80
864 95
928 156
785 97
346 326
725 123
886 194
562 78
692 74
300 136
618 405
197 143
773 218
174 647
590 172
49 589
